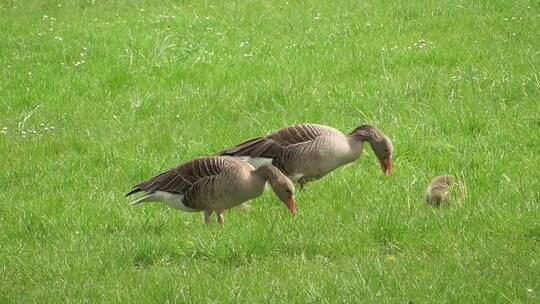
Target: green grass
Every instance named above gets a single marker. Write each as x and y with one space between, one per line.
133 88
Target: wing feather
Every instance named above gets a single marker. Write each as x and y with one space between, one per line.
183 177
275 143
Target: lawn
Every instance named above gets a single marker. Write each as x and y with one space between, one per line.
96 96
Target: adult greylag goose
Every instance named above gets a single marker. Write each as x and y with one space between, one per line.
307 152
443 190
214 184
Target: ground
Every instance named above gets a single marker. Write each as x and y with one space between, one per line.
97 96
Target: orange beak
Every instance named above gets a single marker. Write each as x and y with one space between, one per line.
291 204
387 166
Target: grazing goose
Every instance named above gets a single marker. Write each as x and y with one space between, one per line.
307 152
442 188
214 184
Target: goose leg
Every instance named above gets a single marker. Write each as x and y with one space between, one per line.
220 217
303 182
207 216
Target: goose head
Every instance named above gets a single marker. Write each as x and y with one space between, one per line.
281 185
383 149
380 144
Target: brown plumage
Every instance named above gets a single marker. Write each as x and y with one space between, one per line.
308 152
443 190
214 184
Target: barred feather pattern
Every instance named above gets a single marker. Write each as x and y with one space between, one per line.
308 152
197 180
287 147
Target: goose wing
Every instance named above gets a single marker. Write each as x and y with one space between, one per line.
272 145
185 176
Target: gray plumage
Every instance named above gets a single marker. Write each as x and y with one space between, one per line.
443 190
308 152
214 184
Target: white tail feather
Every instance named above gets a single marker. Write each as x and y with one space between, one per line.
172 200
145 199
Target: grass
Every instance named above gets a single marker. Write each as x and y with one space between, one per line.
133 88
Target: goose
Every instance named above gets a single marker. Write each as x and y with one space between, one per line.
440 191
307 152
214 184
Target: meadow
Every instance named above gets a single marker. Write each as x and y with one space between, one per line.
96 96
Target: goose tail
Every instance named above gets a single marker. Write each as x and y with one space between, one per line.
145 199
